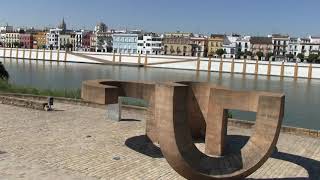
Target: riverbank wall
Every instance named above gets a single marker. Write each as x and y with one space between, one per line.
237 66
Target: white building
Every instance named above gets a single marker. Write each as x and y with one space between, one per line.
149 44
12 39
280 46
63 40
2 39
78 40
125 43
102 38
229 46
310 45
103 41
53 38
6 28
199 45
293 47
243 44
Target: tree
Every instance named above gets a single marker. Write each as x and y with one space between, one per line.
16 44
165 49
69 46
290 56
312 58
178 50
220 52
4 75
239 54
210 54
260 54
269 55
317 60
172 50
301 57
184 50
248 53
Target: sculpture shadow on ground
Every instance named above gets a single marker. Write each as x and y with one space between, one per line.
130 120
2 152
234 143
144 145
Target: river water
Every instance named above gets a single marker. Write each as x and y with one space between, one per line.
302 95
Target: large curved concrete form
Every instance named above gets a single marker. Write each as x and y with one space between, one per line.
177 145
106 91
179 112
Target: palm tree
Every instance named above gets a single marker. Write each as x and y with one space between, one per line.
4 75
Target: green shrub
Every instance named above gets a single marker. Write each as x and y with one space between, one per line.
133 101
67 93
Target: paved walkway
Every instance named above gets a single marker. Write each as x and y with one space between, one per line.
77 142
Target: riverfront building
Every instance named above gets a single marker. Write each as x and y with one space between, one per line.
86 38
215 42
243 44
125 43
199 45
150 44
102 39
53 38
64 40
26 40
261 44
229 46
6 29
177 43
293 46
310 45
39 40
78 40
12 39
280 45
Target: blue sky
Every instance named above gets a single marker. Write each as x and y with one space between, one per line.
254 17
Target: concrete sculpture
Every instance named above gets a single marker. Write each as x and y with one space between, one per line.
180 111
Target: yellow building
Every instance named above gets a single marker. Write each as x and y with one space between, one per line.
39 40
215 42
177 43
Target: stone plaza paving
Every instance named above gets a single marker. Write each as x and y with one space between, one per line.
78 142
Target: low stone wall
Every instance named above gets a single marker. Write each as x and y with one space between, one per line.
284 129
135 110
56 99
23 102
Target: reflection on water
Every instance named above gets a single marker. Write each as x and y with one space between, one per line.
302 95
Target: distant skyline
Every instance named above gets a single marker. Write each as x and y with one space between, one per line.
252 17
